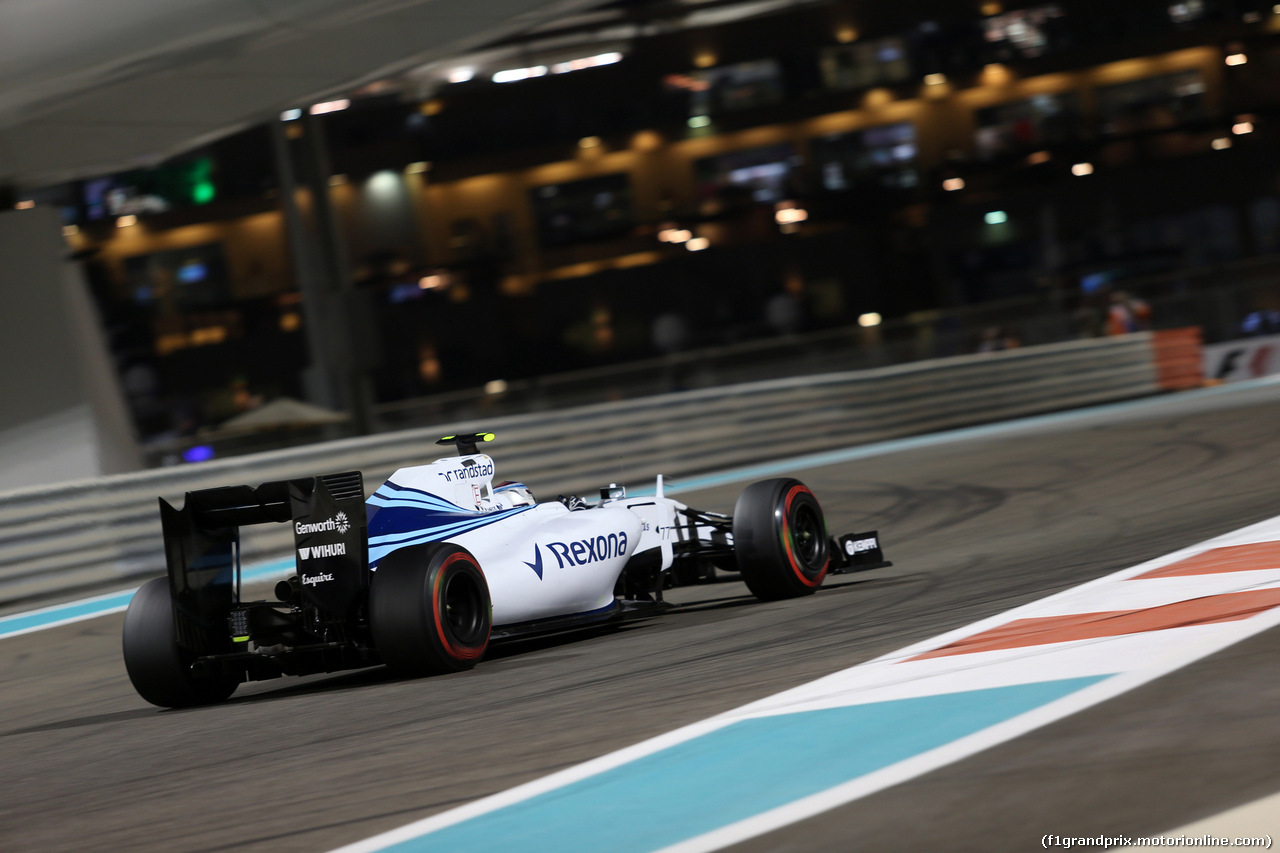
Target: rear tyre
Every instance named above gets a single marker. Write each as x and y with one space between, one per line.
158 667
780 539
429 609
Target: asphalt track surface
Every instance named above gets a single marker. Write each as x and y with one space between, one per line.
974 528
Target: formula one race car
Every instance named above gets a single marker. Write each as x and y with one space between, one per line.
440 562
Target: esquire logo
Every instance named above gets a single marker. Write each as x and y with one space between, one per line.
339 523
312 580
582 551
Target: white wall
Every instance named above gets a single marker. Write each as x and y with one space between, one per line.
62 416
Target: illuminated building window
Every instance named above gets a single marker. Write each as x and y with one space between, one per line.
1025 33
1153 103
883 156
1187 11
581 211
1015 127
755 175
865 64
731 87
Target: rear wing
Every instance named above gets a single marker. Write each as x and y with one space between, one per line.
202 550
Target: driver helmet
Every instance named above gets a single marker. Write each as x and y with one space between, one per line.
514 494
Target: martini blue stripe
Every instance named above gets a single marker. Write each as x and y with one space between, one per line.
735 773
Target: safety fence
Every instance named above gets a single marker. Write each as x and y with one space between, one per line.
85 535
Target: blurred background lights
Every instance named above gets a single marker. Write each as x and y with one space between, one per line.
935 79
418 168
1221 143
291 115
431 282
589 142
1037 157
25 204
126 220
586 62
996 217
330 106
953 184
337 180
383 183
787 215
495 386
699 121
697 244
461 74
70 230
1242 127
1082 169
846 33
1237 59
871 318
514 75
199 453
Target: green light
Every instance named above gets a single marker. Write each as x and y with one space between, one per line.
488 436
203 192
996 217
699 121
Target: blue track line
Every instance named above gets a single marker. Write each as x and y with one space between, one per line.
734 773
112 602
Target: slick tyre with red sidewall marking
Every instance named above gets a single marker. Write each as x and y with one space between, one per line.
780 539
159 668
429 609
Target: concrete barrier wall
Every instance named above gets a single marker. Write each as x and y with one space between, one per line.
105 531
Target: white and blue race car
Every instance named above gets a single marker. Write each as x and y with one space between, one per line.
438 563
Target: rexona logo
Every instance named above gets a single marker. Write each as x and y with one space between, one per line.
339 523
312 580
582 551
337 549
857 546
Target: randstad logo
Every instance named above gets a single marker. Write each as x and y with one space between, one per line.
339 523
581 552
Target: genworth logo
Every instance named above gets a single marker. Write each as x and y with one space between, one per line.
339 522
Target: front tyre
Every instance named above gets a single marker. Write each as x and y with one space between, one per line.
158 667
780 539
429 609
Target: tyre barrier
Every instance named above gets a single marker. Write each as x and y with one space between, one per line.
96 533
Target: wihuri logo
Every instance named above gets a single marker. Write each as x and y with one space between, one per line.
339 523
337 549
